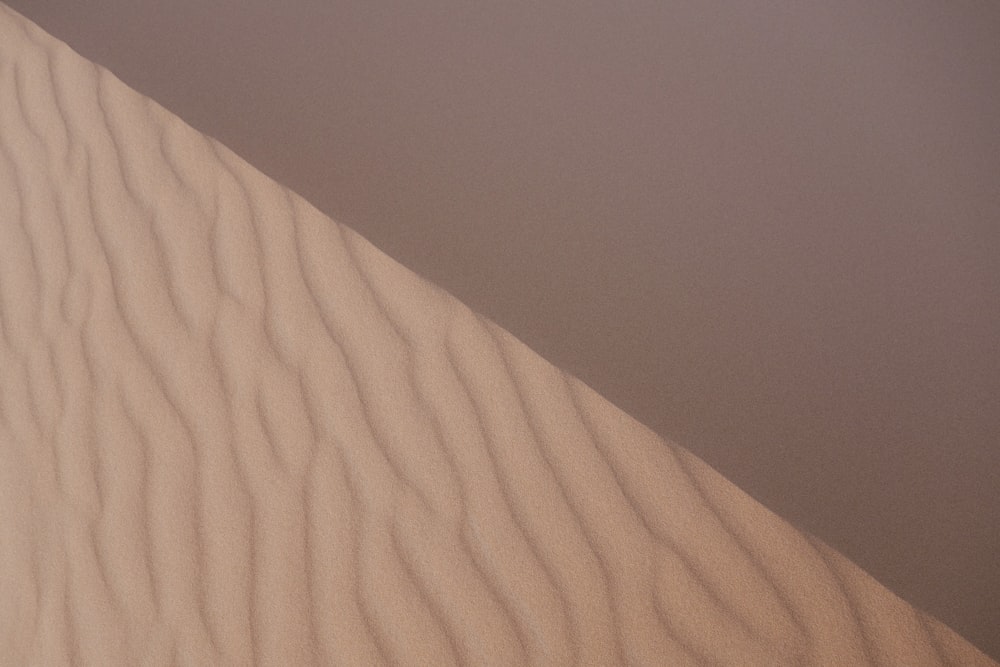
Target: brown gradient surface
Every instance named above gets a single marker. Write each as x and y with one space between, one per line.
768 232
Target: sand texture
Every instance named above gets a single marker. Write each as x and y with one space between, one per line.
233 432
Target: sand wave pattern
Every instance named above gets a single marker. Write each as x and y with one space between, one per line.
232 432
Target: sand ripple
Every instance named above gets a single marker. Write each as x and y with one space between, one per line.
232 432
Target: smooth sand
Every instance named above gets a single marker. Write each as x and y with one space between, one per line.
233 432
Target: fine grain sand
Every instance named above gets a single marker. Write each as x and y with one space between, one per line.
233 432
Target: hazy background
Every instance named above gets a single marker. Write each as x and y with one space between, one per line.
770 231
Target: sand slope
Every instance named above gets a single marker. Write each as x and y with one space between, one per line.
233 432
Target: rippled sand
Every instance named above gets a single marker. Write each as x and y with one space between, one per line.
233 432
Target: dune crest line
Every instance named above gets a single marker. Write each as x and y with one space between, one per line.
233 432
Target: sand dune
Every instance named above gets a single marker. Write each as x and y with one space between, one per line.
233 432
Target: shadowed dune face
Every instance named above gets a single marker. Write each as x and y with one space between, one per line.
233 432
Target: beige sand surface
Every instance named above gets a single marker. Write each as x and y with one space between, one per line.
233 432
